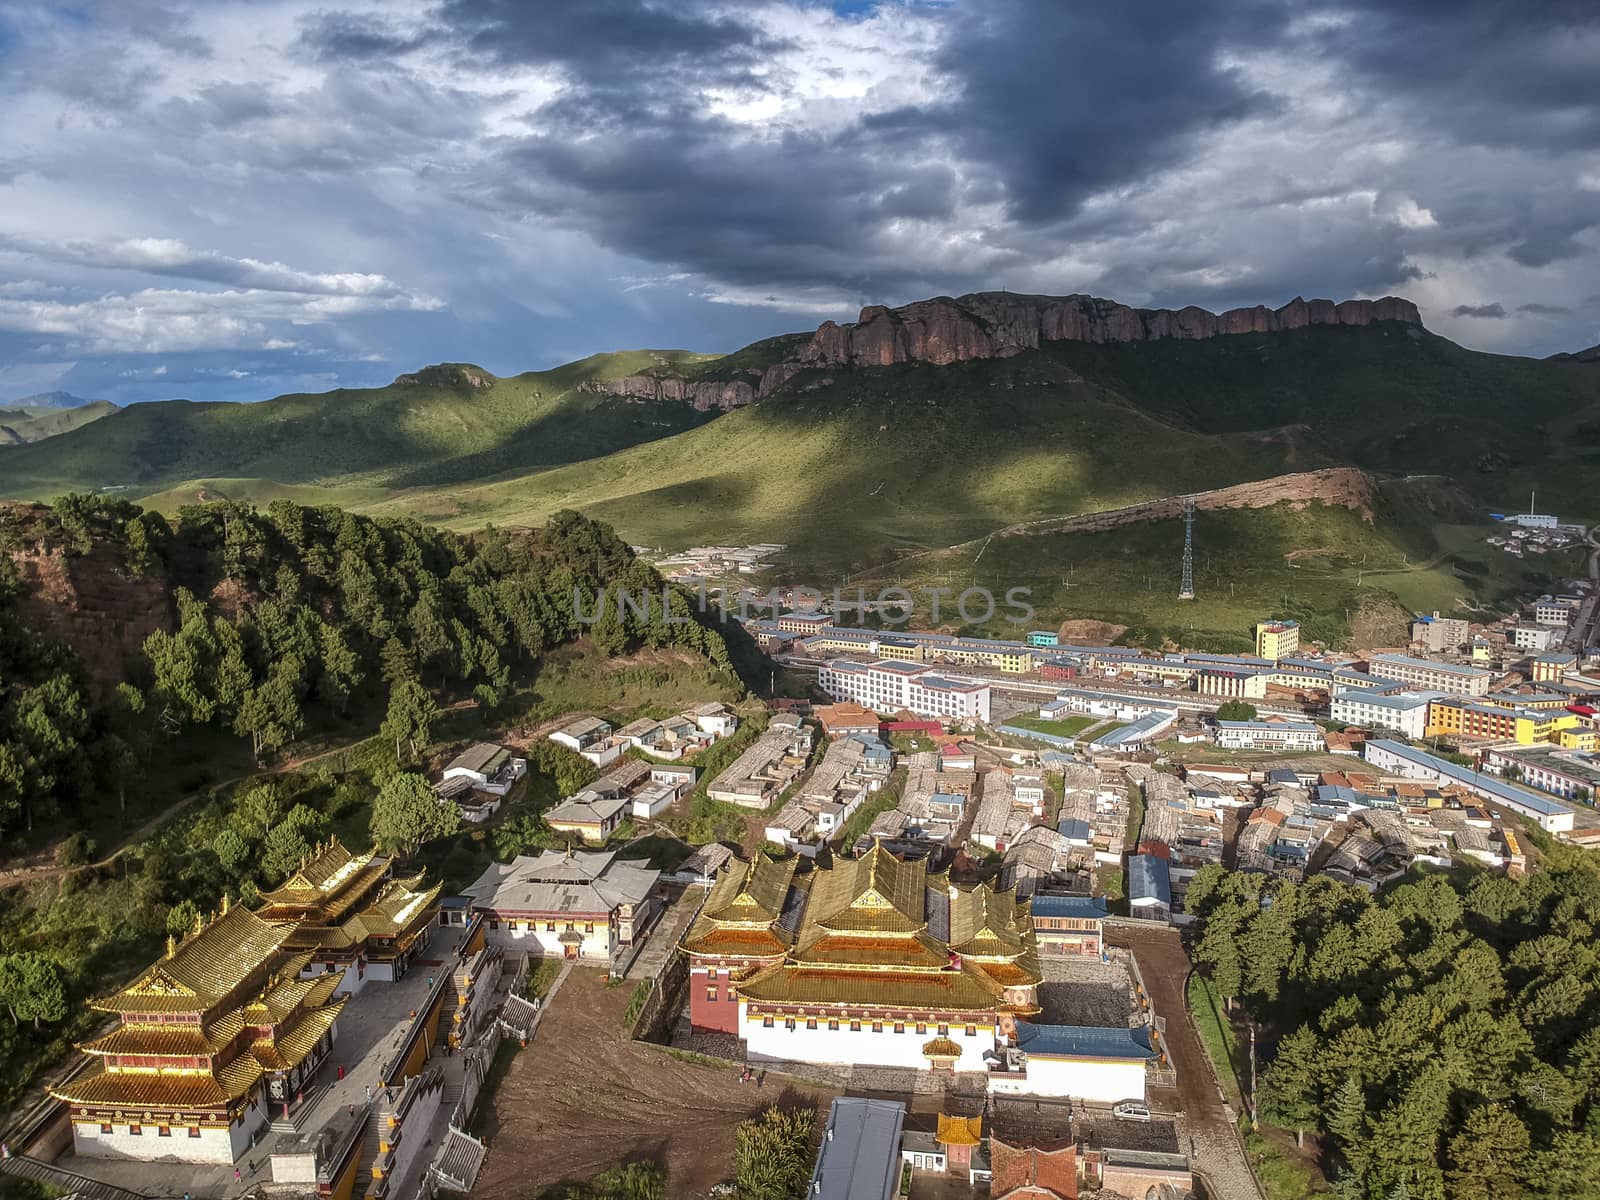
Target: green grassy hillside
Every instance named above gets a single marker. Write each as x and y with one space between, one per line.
451 422
854 468
875 464
1387 397
31 423
1345 579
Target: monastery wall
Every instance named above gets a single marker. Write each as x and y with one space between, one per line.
859 1047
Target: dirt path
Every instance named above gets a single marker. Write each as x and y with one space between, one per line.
1205 1120
583 1098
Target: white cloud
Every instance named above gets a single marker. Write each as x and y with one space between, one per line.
159 321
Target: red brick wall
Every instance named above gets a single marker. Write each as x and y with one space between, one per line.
721 1014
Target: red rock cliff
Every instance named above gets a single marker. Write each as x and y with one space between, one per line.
998 324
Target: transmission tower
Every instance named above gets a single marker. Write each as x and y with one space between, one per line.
1186 592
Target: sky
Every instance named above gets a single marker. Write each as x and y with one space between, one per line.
231 199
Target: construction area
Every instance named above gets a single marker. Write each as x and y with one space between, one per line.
587 1097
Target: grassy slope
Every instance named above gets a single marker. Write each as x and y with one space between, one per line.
1385 397
877 463
858 468
1323 566
394 437
28 424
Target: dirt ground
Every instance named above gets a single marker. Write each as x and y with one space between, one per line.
583 1097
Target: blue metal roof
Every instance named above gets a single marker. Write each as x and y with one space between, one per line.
1149 878
1087 907
1473 779
1083 1041
1073 829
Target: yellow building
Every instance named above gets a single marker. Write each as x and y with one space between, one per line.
1015 660
348 916
1456 716
1277 639
208 1037
900 649
1578 737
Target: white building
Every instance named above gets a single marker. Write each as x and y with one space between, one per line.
1102 1066
889 686
1536 520
582 905
1548 611
1411 763
1404 712
1269 735
1537 637
478 778
590 737
1451 678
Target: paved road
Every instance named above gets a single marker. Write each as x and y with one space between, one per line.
1205 1123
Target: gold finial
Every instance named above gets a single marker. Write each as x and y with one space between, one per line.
199 921
172 945
224 903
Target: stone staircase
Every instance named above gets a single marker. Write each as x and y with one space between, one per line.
23 1167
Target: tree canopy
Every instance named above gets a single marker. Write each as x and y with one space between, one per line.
1444 1037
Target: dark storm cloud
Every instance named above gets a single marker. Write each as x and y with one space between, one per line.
347 37
795 209
1493 312
1063 100
1544 310
1486 71
611 44
1048 104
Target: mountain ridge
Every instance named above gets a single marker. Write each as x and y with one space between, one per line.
943 330
55 399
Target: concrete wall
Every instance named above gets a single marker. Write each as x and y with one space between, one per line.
215 1145
1082 1079
863 1048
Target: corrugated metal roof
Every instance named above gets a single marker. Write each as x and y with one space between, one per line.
1083 1041
1149 878
860 1155
1086 907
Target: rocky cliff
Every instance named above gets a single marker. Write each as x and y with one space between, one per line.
999 324
93 604
703 394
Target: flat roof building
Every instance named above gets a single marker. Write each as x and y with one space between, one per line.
860 1155
1453 678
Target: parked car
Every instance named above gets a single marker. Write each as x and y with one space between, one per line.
1131 1110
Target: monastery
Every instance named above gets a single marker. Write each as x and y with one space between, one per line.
239 1013
865 961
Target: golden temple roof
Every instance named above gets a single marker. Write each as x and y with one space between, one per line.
327 886
874 892
734 942
959 1131
863 937
287 1050
205 969
941 1047
177 1041
873 950
751 892
396 910
165 1091
984 922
